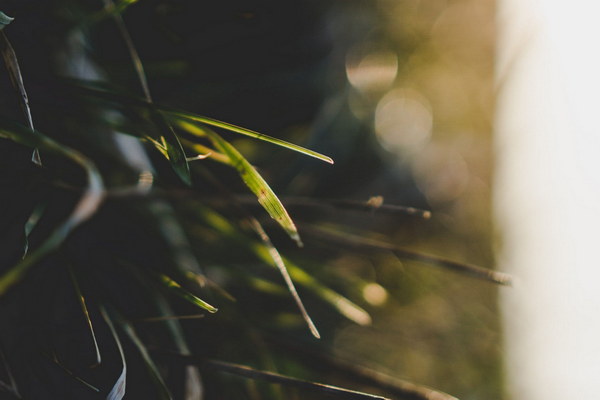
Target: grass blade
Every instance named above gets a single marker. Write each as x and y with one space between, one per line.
373 205
72 375
184 294
118 390
86 314
255 182
265 250
322 360
280 265
174 150
31 224
247 132
343 305
98 90
109 6
164 393
358 242
16 78
251 373
88 203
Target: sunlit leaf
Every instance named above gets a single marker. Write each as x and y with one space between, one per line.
247 132
278 262
173 148
184 294
100 91
255 182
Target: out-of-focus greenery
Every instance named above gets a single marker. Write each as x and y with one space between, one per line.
150 249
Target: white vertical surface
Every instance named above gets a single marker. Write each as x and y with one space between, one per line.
547 195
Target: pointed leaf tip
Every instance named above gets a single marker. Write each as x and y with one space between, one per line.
4 20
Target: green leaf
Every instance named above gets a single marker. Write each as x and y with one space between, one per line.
4 20
247 132
184 294
99 90
255 182
88 204
277 261
173 148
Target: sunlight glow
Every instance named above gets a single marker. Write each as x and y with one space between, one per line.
548 196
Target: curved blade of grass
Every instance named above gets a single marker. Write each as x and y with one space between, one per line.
255 182
118 390
16 78
86 315
247 132
163 391
359 242
88 203
4 20
71 374
184 294
101 91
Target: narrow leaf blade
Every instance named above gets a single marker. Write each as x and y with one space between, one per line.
247 132
163 390
118 390
184 294
255 182
86 315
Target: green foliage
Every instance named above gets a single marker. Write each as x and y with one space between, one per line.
120 251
